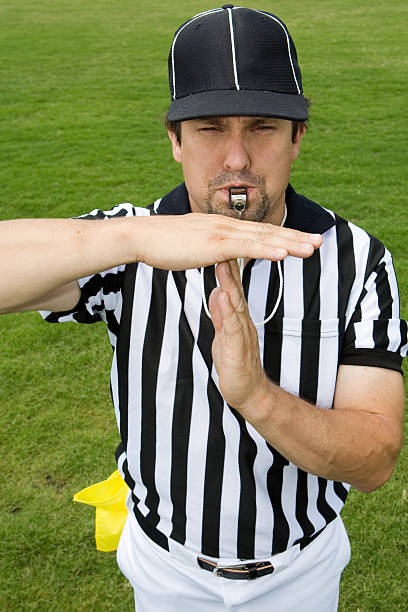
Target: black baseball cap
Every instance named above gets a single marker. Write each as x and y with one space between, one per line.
235 61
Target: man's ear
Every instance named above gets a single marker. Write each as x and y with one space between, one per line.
298 139
175 145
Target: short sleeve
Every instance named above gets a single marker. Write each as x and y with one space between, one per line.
376 335
100 293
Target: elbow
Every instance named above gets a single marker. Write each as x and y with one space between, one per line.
381 469
374 482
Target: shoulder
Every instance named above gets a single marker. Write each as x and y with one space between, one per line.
175 202
357 241
117 211
354 251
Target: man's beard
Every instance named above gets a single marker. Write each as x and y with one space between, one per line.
257 209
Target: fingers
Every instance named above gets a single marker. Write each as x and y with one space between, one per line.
227 302
224 314
235 347
214 307
281 242
230 282
266 241
181 242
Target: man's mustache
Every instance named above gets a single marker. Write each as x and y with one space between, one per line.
244 177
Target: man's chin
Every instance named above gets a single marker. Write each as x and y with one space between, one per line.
252 213
226 212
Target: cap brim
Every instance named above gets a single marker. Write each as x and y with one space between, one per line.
239 102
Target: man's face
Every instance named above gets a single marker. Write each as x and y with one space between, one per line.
222 152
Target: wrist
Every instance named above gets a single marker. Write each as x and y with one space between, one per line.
258 407
125 239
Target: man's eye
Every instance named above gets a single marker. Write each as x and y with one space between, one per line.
265 128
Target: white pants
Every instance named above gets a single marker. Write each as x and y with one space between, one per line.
303 581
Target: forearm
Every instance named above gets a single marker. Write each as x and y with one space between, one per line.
40 255
357 441
350 445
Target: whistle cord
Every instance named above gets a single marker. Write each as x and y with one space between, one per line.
241 263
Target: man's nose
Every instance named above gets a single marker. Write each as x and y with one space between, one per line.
236 155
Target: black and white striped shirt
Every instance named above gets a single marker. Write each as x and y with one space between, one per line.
198 472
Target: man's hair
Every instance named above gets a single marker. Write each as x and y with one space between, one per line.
175 126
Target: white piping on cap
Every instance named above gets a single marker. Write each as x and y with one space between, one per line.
234 59
288 43
218 10
176 37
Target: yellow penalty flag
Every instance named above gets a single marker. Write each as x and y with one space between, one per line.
108 497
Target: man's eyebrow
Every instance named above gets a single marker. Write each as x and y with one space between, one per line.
213 120
251 121
261 120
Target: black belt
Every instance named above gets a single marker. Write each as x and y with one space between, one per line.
248 571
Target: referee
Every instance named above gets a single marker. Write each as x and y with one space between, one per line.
251 394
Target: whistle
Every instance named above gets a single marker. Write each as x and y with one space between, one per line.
238 199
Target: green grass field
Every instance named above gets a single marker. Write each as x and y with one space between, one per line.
83 86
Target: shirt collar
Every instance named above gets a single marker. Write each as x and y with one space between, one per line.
303 214
175 202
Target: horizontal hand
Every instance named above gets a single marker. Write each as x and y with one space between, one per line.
196 240
41 257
